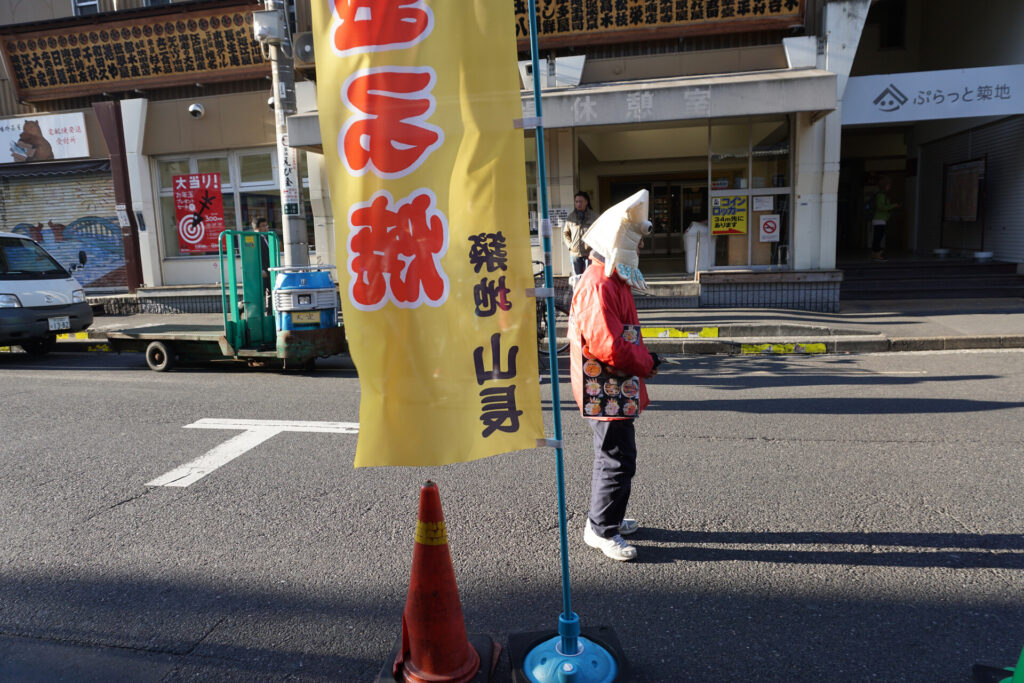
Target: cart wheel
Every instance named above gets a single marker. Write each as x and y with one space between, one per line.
159 357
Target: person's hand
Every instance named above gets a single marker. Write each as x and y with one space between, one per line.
657 362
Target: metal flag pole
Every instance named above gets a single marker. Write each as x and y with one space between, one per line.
560 658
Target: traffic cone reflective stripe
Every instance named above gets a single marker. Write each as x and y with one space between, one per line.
434 643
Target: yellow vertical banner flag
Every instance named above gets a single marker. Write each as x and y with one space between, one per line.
427 177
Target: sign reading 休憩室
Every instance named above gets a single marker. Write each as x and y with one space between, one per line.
576 22
150 50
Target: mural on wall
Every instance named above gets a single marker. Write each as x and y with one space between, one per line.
68 215
99 237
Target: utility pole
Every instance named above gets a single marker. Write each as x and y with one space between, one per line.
271 28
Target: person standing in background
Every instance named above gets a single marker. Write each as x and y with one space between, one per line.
576 226
883 208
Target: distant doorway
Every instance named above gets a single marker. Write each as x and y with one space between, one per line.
675 203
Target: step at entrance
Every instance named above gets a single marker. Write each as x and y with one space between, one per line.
929 279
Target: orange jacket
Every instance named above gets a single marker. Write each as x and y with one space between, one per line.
602 308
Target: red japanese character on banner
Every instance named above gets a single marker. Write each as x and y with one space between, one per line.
389 135
376 25
395 252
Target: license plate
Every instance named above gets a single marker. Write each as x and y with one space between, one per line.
59 323
306 317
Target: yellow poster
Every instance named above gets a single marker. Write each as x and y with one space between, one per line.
427 173
729 215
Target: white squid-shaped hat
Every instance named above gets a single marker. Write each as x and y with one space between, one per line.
616 234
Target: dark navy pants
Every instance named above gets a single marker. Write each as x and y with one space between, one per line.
614 466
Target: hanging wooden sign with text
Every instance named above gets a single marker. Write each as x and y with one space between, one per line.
583 22
151 51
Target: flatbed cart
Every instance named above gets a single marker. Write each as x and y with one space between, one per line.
294 323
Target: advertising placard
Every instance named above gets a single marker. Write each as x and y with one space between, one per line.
199 211
729 215
43 138
417 104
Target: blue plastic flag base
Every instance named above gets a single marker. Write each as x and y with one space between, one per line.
536 658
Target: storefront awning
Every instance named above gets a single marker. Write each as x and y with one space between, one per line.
691 97
43 169
665 99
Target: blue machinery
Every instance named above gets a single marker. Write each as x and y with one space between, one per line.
301 325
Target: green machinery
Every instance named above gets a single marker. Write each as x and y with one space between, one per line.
249 321
251 313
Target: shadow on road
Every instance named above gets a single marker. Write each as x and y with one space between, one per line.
954 551
838 406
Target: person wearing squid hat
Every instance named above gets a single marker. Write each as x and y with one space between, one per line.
608 365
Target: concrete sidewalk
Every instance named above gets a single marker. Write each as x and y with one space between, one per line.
860 327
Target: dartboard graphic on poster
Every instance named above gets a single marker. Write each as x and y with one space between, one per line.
199 211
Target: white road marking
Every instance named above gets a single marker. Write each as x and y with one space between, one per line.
279 425
255 432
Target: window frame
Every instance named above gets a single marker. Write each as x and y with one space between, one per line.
749 192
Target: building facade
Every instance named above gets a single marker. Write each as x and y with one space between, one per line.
935 105
730 112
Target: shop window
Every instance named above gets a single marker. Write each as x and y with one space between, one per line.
85 8
730 145
770 154
750 221
255 168
249 190
215 165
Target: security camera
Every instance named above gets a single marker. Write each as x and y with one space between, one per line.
196 110
270 103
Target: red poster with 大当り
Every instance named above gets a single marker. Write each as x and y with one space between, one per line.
199 212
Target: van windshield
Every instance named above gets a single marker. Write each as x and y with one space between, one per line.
22 259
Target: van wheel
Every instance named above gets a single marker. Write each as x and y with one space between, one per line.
159 357
37 347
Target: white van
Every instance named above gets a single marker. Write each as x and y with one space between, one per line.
38 297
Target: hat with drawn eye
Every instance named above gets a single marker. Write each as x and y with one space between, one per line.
616 235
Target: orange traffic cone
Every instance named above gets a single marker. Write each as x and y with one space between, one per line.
434 646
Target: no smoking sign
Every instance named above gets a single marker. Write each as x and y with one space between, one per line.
770 227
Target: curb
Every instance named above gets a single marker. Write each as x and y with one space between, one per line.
724 346
82 342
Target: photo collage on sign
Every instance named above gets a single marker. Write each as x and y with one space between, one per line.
607 392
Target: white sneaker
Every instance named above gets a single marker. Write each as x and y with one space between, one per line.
613 547
628 526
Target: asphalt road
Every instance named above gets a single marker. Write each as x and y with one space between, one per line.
849 518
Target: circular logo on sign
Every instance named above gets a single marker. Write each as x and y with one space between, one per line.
191 230
769 227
